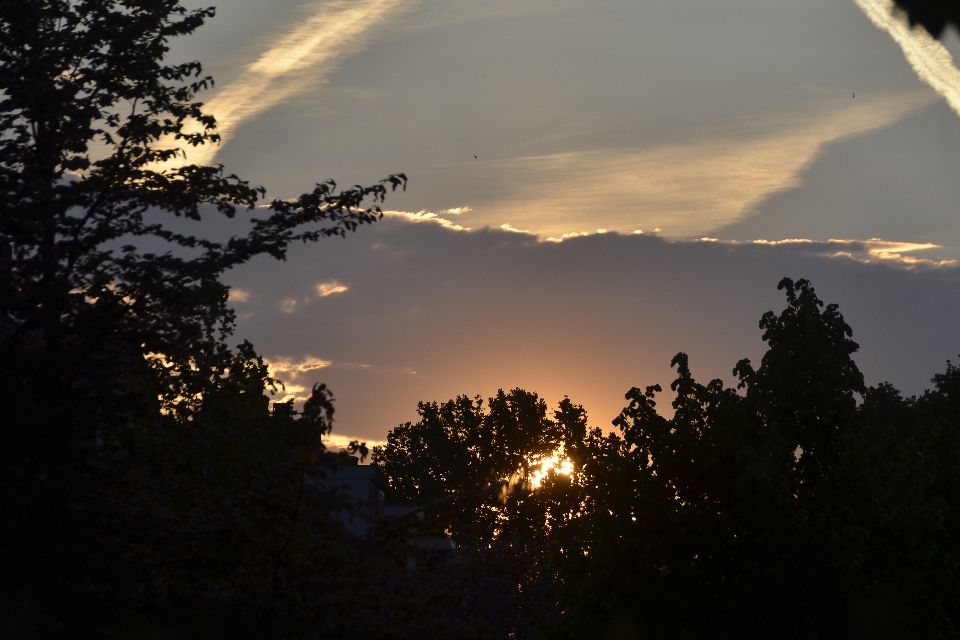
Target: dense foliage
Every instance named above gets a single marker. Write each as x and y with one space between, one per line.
471 465
800 504
143 482
933 15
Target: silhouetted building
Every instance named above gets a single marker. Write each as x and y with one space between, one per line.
368 485
365 484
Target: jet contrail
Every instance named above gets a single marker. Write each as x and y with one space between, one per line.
930 60
301 59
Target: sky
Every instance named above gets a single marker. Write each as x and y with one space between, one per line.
593 187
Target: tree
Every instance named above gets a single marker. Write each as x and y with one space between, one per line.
798 504
82 80
127 416
472 464
458 447
934 15
777 510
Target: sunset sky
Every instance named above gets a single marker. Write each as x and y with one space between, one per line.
588 186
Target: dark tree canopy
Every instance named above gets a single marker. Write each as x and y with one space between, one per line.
470 464
459 444
934 15
88 109
142 473
777 510
799 504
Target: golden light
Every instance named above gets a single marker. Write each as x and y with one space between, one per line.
542 467
300 60
325 289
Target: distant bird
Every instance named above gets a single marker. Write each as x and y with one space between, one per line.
854 95
474 156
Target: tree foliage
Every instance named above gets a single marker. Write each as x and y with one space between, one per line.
144 481
798 504
777 509
933 15
471 466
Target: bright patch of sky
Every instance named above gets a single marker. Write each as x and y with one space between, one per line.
686 116
827 123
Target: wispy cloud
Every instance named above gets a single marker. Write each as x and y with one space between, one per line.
873 250
892 251
297 367
293 374
508 227
301 59
333 287
298 377
866 251
299 374
930 60
334 441
682 190
430 216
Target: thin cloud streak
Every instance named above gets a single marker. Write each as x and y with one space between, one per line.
302 59
866 251
685 189
429 216
292 374
336 441
333 287
930 60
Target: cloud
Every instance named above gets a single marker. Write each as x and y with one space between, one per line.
334 441
684 189
507 227
871 250
300 60
298 377
429 216
296 368
893 251
588 317
930 60
574 234
293 373
239 295
333 287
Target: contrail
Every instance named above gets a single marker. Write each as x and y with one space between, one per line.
929 59
302 59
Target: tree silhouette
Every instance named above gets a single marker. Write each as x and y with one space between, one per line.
776 510
934 15
798 504
479 459
141 470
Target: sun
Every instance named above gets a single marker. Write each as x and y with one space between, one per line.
556 462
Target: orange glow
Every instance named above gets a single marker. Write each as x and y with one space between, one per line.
556 462
325 289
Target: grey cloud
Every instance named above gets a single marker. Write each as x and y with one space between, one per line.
437 312
899 182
